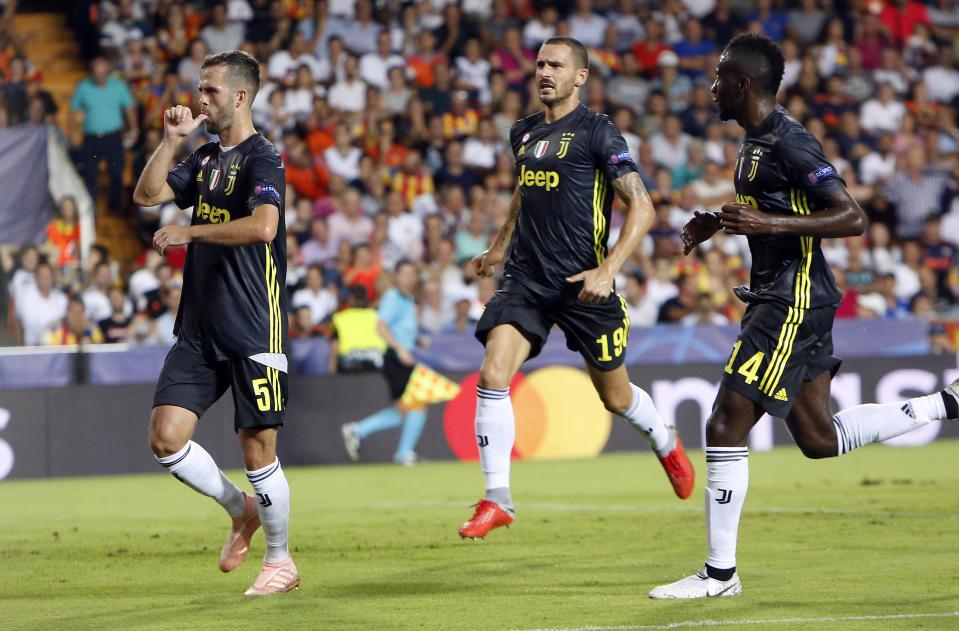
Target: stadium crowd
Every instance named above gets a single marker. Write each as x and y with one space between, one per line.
393 120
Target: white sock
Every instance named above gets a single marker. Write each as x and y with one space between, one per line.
273 496
643 416
875 422
495 434
727 480
195 467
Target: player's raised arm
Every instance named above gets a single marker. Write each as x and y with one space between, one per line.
152 187
843 217
598 282
485 261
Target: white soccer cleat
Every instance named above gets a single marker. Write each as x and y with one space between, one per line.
699 585
351 441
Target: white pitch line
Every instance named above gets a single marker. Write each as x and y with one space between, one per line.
677 508
723 623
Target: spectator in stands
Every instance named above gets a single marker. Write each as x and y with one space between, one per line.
473 238
100 104
538 30
670 146
143 331
95 298
320 248
347 96
916 191
189 66
772 20
900 16
123 27
221 34
642 310
63 234
397 94
38 306
166 320
473 71
480 151
694 51
375 65
116 328
879 165
348 223
75 328
24 276
937 254
884 112
685 302
320 301
942 79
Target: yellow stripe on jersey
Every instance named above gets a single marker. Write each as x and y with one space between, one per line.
622 302
801 302
273 302
599 219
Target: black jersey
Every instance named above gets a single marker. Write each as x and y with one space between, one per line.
564 172
781 170
233 303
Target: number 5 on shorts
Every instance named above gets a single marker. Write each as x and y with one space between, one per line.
749 368
262 394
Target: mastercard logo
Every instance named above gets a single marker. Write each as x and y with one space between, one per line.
558 415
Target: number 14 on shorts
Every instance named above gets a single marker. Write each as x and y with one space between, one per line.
749 368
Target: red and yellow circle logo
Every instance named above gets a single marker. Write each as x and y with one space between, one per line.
558 415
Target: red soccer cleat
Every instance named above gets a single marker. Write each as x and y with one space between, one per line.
488 515
679 470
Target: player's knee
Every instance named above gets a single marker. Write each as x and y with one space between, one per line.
816 447
493 376
164 442
617 402
722 430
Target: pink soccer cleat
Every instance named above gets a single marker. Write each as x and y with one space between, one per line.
275 578
238 542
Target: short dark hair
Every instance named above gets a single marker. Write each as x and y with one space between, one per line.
242 67
580 54
759 58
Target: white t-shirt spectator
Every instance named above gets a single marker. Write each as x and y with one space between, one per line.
475 74
874 166
142 281
282 64
36 312
476 153
348 96
874 116
941 83
348 166
374 69
22 282
316 253
589 31
535 33
405 231
321 304
907 281
96 304
667 154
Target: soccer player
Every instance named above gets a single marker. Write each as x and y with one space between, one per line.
788 197
569 160
232 322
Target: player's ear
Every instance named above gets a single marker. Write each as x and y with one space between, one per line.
744 83
581 75
239 98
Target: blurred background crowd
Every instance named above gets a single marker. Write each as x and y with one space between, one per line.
393 119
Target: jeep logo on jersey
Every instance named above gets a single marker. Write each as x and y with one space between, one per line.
211 213
540 149
214 178
541 179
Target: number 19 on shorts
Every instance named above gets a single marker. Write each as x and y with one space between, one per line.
619 343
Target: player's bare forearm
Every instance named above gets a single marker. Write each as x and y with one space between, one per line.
506 230
259 227
151 188
843 217
639 217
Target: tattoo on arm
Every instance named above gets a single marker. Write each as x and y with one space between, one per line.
630 187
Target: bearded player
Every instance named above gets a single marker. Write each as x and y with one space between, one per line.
232 324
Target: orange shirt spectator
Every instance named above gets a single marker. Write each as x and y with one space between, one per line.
305 174
63 233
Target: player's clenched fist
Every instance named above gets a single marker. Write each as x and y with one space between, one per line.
179 122
485 261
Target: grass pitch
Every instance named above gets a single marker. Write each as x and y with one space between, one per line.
867 541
